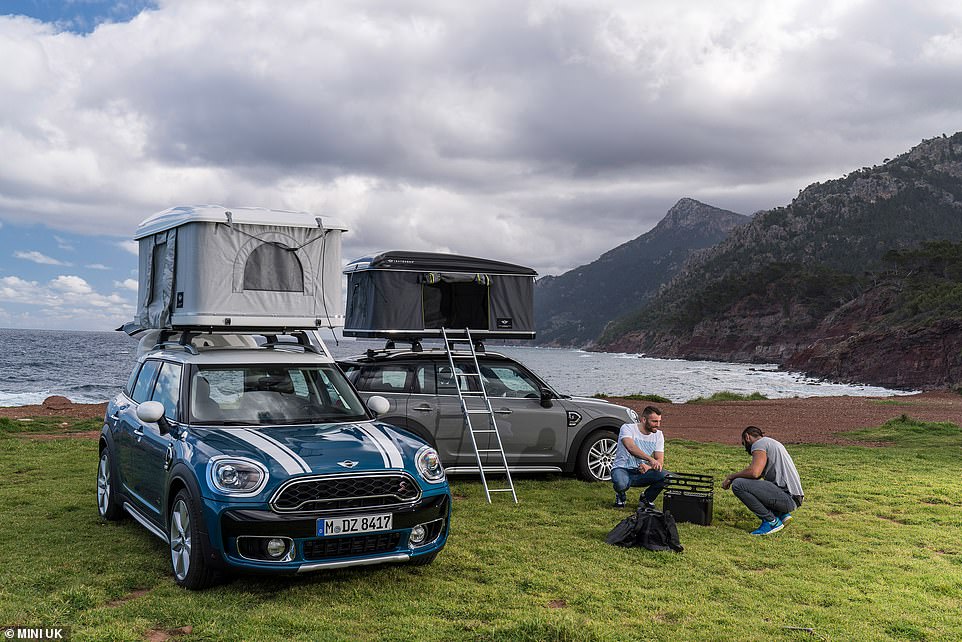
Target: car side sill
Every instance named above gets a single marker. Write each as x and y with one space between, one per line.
146 523
306 568
473 470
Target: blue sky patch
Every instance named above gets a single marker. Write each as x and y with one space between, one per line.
78 16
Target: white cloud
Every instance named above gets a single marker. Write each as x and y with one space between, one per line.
97 266
37 257
71 285
127 284
542 133
131 247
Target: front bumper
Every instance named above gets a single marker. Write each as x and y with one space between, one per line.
244 532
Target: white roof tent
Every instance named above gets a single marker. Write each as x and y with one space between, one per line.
215 267
412 295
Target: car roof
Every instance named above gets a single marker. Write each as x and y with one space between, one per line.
234 356
374 356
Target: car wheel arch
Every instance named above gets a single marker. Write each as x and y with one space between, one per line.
596 425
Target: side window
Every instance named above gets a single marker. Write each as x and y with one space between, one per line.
389 377
503 379
462 377
145 381
167 390
129 388
424 379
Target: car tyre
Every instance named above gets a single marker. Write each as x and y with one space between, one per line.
187 557
107 505
597 455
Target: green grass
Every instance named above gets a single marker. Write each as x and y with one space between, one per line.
635 397
725 395
874 554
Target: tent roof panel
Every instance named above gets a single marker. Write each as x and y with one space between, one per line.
176 216
435 262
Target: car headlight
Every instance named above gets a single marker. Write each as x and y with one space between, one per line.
236 476
429 465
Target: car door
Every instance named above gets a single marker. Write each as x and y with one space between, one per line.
130 428
389 380
530 433
444 408
150 447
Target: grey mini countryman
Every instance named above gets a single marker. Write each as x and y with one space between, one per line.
541 429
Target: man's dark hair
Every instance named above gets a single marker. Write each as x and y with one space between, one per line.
754 431
650 410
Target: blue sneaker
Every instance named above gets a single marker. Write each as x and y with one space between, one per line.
785 519
767 528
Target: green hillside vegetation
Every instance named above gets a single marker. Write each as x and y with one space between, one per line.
896 226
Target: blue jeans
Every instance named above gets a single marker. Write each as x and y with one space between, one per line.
624 478
763 498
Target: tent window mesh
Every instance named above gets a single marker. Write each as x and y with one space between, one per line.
274 268
455 305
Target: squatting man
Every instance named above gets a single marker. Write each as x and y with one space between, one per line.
640 458
770 486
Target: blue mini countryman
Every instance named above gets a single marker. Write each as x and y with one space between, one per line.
254 453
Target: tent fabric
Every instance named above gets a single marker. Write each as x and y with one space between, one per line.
415 294
215 274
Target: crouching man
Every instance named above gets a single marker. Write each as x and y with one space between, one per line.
640 458
770 487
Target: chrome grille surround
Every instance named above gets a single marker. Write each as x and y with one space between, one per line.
346 491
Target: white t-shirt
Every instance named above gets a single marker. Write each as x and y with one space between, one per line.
649 444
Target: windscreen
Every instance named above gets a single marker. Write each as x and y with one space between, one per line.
259 394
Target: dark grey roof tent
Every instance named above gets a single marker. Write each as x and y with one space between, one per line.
412 295
211 266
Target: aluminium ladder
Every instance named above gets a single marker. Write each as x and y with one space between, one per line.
492 426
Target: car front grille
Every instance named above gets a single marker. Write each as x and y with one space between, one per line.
318 549
346 492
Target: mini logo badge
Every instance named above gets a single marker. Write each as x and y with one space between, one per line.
347 463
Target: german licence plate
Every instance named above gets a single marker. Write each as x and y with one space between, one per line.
355 524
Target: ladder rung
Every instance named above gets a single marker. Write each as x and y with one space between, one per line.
500 490
468 374
479 412
489 450
477 432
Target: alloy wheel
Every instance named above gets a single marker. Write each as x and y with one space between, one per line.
180 544
601 455
103 484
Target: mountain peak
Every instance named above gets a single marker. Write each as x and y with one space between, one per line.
688 214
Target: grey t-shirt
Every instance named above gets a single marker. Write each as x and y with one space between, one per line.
779 469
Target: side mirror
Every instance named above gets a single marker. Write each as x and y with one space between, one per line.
152 412
546 398
378 405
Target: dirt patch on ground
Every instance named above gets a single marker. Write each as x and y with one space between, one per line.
811 420
56 407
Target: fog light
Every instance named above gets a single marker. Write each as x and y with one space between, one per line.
276 547
418 533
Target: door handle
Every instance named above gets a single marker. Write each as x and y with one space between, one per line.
139 432
423 408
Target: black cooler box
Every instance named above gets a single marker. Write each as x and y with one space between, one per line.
689 498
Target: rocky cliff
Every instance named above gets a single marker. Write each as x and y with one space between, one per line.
573 309
831 283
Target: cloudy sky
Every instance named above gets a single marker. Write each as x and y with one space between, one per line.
542 133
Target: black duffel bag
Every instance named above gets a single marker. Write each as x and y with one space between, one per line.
649 528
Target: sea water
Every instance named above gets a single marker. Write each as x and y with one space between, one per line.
90 367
